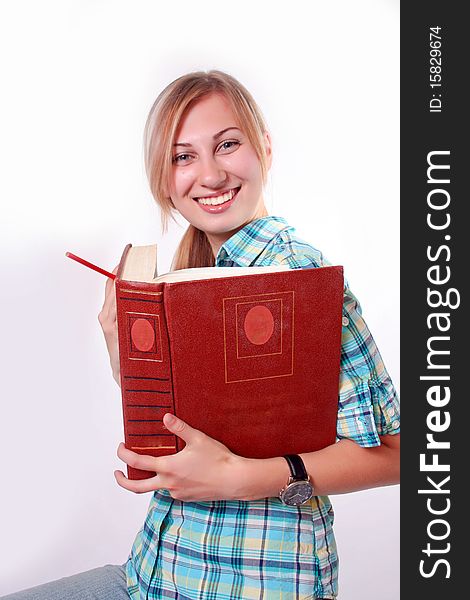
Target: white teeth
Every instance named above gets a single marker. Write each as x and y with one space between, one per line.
217 199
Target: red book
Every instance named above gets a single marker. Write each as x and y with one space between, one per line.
249 356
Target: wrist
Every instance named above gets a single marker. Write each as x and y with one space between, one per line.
256 478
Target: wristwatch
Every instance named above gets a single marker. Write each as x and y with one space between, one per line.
298 489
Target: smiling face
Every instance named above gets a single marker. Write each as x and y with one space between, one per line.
216 181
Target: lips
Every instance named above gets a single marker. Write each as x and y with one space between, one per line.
217 203
217 199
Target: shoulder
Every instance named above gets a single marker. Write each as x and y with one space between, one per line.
287 248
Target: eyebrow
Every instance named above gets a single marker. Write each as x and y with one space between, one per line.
214 137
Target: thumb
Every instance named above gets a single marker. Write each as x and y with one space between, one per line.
180 428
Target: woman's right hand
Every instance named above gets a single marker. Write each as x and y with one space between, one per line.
108 322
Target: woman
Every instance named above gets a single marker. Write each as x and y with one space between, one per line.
208 153
216 526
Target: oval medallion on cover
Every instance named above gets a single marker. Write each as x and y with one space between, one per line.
143 335
259 325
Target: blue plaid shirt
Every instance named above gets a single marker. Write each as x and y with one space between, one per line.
264 549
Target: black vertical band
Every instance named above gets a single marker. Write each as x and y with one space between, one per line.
434 254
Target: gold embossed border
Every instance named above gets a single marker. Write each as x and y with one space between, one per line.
145 356
254 298
237 304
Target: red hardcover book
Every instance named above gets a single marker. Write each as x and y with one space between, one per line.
249 356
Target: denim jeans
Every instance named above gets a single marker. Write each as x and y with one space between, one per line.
104 583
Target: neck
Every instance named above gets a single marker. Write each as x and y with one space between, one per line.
216 240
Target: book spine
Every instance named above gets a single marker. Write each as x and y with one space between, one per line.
146 381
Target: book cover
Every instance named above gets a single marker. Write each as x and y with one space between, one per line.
250 360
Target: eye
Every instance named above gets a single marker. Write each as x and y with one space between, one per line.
182 159
228 146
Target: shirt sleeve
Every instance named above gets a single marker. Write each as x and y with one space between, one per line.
368 405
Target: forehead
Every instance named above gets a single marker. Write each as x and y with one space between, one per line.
206 117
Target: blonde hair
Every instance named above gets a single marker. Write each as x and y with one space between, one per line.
162 123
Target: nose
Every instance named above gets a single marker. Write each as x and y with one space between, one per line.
211 174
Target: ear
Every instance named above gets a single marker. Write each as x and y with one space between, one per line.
269 148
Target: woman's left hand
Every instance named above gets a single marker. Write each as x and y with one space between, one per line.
204 470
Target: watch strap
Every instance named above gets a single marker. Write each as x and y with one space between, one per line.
297 467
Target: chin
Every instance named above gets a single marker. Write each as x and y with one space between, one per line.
230 221
221 229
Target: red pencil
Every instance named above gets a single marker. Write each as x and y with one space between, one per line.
90 265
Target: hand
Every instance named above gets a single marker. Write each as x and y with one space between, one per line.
204 470
108 322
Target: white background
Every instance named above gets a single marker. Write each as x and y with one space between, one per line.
78 78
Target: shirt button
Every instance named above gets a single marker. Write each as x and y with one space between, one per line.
396 424
390 412
345 321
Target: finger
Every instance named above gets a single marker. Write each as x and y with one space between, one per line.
138 461
138 486
110 283
108 310
181 428
111 340
111 296
106 302
112 312
108 291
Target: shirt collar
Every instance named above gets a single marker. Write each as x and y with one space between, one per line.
244 247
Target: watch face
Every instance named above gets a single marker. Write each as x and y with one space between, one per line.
297 492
